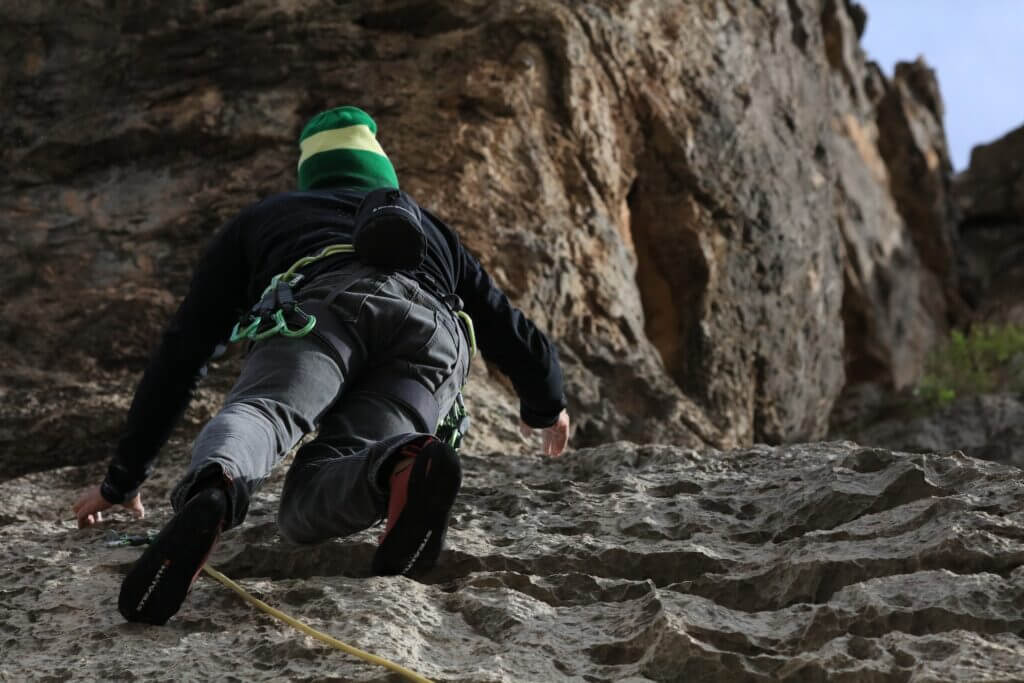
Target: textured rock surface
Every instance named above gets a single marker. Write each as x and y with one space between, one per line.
622 562
991 197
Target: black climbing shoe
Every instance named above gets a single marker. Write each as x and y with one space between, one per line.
419 505
159 581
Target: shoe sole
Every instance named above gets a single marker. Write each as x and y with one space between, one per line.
417 538
159 581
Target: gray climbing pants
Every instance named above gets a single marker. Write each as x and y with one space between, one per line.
383 364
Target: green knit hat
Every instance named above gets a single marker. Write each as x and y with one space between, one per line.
339 148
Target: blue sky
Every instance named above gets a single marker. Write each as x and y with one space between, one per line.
977 49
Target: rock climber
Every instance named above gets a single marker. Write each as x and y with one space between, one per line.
373 356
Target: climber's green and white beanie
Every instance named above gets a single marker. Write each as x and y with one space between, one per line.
339 148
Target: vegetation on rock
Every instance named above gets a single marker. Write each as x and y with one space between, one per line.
987 359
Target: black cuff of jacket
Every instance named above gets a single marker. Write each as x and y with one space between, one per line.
540 419
118 486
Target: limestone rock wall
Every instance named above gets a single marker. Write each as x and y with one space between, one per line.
699 201
894 210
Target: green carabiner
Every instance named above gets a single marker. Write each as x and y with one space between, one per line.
266 334
470 330
291 278
302 331
238 335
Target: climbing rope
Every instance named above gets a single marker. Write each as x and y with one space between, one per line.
322 637
324 253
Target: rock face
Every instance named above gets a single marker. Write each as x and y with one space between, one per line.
896 216
623 562
990 268
719 211
991 197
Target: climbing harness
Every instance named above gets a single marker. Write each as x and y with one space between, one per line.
277 304
387 234
408 674
277 309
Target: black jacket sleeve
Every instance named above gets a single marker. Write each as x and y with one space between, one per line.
510 340
205 318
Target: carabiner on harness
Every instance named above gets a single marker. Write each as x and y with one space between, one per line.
271 313
455 424
277 304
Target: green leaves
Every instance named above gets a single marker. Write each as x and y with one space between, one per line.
989 359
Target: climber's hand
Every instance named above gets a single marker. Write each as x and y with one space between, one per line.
555 437
90 506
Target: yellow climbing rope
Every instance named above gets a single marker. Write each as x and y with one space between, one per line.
322 637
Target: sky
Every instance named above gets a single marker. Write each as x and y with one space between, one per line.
977 50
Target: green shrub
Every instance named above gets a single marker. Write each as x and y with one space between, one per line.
989 359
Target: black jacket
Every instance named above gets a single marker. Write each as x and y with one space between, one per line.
266 239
